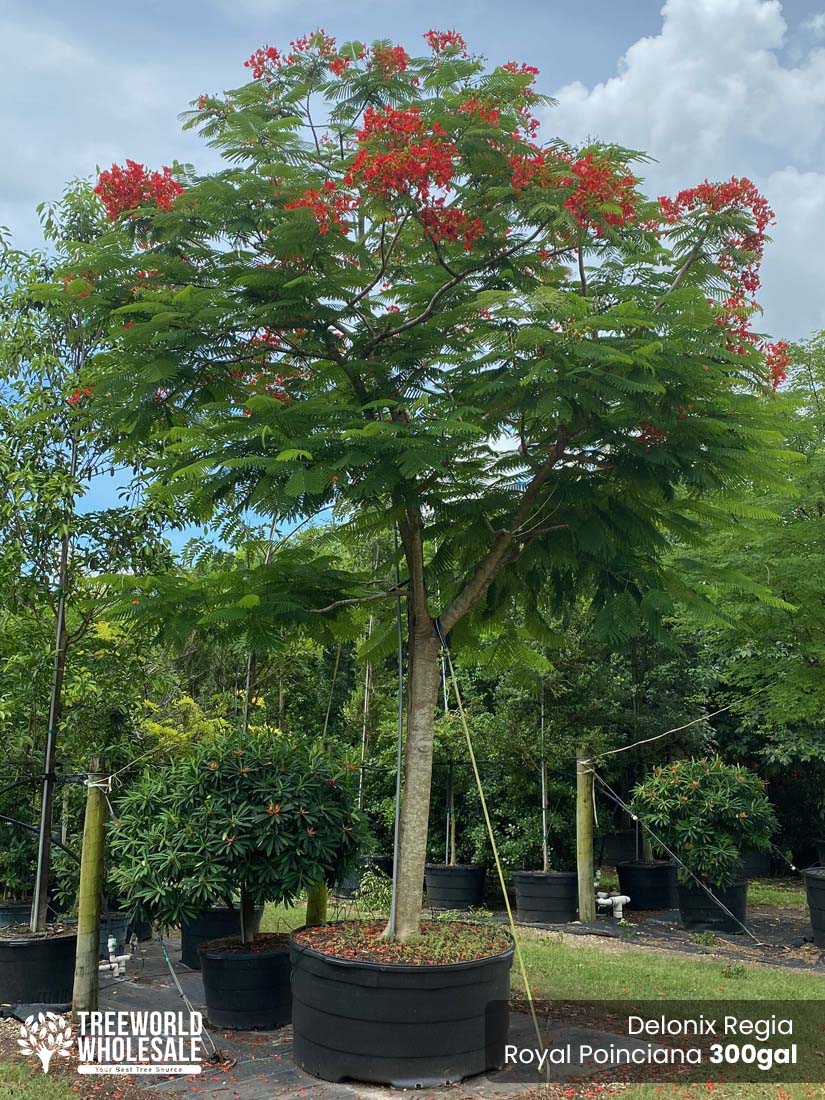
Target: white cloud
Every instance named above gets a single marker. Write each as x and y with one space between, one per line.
816 25
711 96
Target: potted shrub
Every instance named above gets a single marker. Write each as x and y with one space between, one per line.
17 855
707 813
252 816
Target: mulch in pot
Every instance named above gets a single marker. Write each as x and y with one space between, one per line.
263 941
439 943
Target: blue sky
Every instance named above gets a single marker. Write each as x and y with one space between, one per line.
709 88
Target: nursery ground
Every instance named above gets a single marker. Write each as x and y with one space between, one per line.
561 965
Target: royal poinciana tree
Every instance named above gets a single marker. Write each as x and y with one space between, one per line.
396 299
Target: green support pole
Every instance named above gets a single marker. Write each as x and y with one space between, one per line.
317 904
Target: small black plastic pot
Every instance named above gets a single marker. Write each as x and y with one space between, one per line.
246 989
550 897
814 879
454 886
14 912
649 885
700 913
403 1026
213 924
37 970
141 929
114 923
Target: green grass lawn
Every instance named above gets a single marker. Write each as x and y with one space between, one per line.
789 893
21 1082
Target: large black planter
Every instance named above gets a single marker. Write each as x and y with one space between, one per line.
649 885
546 897
37 971
14 912
213 924
454 886
249 989
701 914
815 886
404 1026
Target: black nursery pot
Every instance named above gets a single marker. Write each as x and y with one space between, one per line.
246 989
815 887
114 923
756 864
384 864
820 851
619 847
700 913
454 886
37 971
213 924
403 1026
550 897
14 912
649 885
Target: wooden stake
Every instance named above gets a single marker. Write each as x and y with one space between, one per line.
584 837
84 994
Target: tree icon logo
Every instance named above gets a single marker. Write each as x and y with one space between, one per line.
46 1035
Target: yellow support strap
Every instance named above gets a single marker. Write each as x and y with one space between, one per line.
493 845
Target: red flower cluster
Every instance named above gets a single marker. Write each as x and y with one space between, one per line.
338 65
594 183
716 197
262 59
124 189
77 397
450 223
389 60
481 110
649 435
328 207
777 360
396 156
521 70
444 41
318 40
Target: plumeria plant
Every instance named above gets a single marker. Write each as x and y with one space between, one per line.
397 300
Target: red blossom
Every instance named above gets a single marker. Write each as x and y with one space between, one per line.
521 70
778 360
264 58
649 435
396 156
734 194
444 41
328 206
481 110
124 189
596 185
338 65
450 223
78 396
389 60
